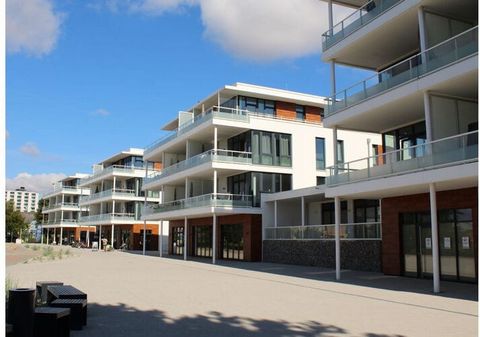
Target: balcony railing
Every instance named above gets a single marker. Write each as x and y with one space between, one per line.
209 200
213 112
443 54
440 153
356 20
352 231
223 156
108 217
117 192
64 204
60 188
115 169
60 222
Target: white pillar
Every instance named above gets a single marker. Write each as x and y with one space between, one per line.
421 29
88 236
114 183
330 17
333 82
335 150
275 214
48 233
428 116
215 139
185 239
112 236
144 209
303 211
435 252
61 234
55 235
337 237
160 237
100 238
215 178
214 239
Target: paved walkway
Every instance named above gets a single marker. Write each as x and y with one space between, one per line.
133 295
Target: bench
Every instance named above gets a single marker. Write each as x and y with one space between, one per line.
63 292
42 293
78 311
52 322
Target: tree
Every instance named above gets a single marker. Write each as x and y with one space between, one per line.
15 223
38 214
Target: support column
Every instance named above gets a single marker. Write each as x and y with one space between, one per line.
428 116
337 237
114 184
215 185
112 236
335 151
41 237
144 210
421 29
330 17
215 140
88 236
160 237
55 235
214 239
303 211
61 234
48 234
100 238
333 82
435 252
185 239
275 214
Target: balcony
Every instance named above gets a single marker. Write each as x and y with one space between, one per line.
444 54
64 222
219 156
62 189
355 21
66 205
352 231
445 152
206 200
113 170
109 217
214 112
112 193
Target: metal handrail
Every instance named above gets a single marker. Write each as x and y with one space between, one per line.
413 72
348 231
453 148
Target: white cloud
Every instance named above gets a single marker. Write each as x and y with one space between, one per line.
32 26
30 149
267 29
149 7
101 112
41 183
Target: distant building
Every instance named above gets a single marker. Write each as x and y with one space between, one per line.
23 200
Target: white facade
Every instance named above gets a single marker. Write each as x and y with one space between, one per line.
199 159
23 200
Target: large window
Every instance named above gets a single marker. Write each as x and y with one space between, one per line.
257 105
340 152
404 138
268 148
328 213
320 153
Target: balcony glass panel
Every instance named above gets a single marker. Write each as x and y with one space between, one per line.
444 152
353 231
356 20
450 51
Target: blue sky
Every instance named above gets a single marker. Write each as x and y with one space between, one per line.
110 73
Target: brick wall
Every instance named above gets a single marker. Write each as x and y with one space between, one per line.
392 207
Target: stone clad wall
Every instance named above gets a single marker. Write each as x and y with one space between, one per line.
364 255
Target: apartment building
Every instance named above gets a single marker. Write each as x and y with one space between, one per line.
116 201
225 151
23 200
62 212
422 97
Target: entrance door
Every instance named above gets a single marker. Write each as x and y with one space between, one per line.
409 245
232 241
177 240
425 252
203 241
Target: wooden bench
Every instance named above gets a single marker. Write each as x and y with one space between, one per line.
42 293
78 311
52 322
63 292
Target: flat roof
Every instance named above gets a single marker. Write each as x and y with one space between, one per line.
123 154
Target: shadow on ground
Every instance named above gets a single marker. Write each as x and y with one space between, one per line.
122 320
457 290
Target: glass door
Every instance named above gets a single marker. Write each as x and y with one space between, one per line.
203 241
409 245
232 241
466 256
425 252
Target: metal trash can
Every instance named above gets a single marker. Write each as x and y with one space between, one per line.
21 308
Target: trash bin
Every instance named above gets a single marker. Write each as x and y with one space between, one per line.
21 308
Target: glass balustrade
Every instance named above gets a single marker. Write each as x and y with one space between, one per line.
352 231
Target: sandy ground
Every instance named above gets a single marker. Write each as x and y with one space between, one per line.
134 295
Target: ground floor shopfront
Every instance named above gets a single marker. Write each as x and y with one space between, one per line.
407 235
67 235
238 237
129 237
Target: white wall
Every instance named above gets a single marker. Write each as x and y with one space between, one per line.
314 213
289 212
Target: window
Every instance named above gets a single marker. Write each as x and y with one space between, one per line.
320 153
267 148
320 181
262 106
328 213
300 112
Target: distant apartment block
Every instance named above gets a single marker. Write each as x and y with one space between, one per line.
62 213
23 200
116 201
221 154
